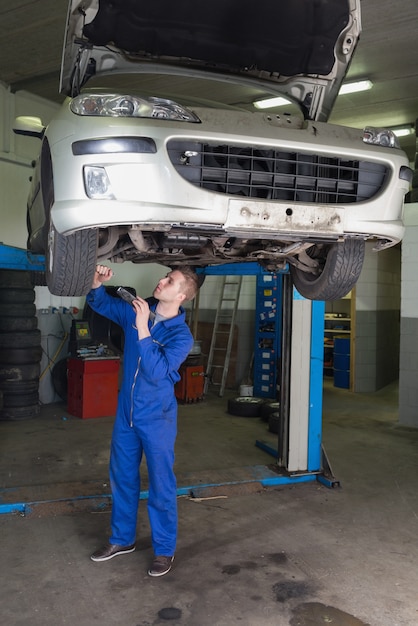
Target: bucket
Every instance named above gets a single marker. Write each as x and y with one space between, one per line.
196 348
246 390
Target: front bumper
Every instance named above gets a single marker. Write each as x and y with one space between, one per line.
152 191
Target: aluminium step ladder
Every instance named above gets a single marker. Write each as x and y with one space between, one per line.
223 330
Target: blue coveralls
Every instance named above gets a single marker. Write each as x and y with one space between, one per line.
146 422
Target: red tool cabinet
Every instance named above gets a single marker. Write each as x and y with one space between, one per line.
191 384
93 387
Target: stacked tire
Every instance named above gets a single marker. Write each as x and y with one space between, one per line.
20 347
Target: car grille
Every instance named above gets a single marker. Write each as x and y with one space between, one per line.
276 174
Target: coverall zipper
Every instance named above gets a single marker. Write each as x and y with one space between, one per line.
131 420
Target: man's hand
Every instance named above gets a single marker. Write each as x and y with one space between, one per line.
101 275
142 316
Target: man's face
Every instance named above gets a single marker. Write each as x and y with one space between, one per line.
169 288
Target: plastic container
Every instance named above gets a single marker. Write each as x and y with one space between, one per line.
342 379
246 390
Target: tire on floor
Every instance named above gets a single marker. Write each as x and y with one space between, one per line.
245 406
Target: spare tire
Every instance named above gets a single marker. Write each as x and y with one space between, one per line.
59 377
20 400
19 386
18 310
274 422
12 324
16 296
14 413
245 406
24 339
22 372
15 279
19 356
268 408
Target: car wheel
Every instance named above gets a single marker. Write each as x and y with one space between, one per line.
70 261
274 423
245 406
268 408
340 265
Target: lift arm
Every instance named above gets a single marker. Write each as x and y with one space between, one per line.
19 259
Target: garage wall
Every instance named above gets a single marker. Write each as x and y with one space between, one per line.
377 328
408 367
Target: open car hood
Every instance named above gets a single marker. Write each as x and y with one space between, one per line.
300 49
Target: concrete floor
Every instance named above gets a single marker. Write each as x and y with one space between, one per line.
298 555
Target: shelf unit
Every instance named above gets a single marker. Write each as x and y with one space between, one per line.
337 336
268 333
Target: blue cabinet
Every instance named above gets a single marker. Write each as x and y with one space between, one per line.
268 334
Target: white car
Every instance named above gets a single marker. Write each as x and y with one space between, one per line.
159 154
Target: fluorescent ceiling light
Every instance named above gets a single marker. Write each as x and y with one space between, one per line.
402 132
269 103
360 85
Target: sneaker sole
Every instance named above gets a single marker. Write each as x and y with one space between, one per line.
156 575
107 558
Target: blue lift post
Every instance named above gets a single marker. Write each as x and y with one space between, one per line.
318 467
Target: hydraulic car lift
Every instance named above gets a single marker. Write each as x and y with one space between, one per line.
300 454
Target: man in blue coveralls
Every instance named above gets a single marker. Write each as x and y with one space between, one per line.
157 341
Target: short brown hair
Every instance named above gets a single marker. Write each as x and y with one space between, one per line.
191 281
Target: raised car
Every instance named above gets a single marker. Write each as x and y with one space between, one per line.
159 154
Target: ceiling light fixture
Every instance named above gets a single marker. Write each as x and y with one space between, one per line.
269 103
360 85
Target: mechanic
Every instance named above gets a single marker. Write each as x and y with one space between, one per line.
157 341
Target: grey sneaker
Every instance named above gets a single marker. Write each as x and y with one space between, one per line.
110 550
161 565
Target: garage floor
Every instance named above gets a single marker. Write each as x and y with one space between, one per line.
298 555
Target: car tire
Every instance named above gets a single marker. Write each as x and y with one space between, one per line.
71 261
24 339
19 386
17 310
268 408
17 296
11 324
245 406
59 377
274 423
15 279
20 356
38 278
19 373
20 346
13 400
342 264
17 413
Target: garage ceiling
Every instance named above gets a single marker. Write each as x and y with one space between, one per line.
32 38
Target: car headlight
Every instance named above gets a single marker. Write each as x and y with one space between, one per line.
380 137
114 105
